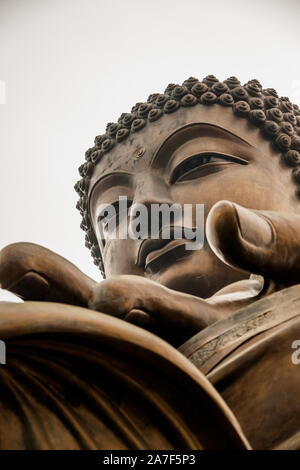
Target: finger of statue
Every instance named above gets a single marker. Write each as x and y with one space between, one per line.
30 286
260 242
121 294
147 322
238 294
141 319
35 273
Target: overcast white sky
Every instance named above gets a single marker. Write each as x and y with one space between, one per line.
71 66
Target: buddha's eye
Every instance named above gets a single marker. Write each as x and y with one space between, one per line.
202 164
110 218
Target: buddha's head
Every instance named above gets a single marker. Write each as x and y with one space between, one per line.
198 143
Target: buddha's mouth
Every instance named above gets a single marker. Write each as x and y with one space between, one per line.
162 258
155 254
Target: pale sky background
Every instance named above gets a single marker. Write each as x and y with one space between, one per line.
71 66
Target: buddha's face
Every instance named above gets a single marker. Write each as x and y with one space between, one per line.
197 155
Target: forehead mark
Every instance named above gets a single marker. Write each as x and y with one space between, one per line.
139 152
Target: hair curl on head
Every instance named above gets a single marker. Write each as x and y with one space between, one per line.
278 119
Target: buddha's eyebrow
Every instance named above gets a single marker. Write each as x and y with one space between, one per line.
106 182
189 132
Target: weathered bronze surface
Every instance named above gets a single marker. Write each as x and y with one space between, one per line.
199 355
77 379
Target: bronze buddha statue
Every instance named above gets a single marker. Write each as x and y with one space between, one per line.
236 150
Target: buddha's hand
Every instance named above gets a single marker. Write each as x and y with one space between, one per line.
259 242
33 272
173 315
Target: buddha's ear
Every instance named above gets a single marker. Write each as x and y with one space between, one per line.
33 272
258 242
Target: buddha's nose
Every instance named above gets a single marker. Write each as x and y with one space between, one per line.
151 189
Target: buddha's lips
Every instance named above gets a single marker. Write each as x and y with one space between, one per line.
155 254
160 260
151 249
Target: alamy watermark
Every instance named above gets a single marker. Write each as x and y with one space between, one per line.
2 352
123 220
296 353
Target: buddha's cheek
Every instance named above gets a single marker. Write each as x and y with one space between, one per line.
119 258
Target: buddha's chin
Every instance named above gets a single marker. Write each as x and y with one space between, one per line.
200 276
